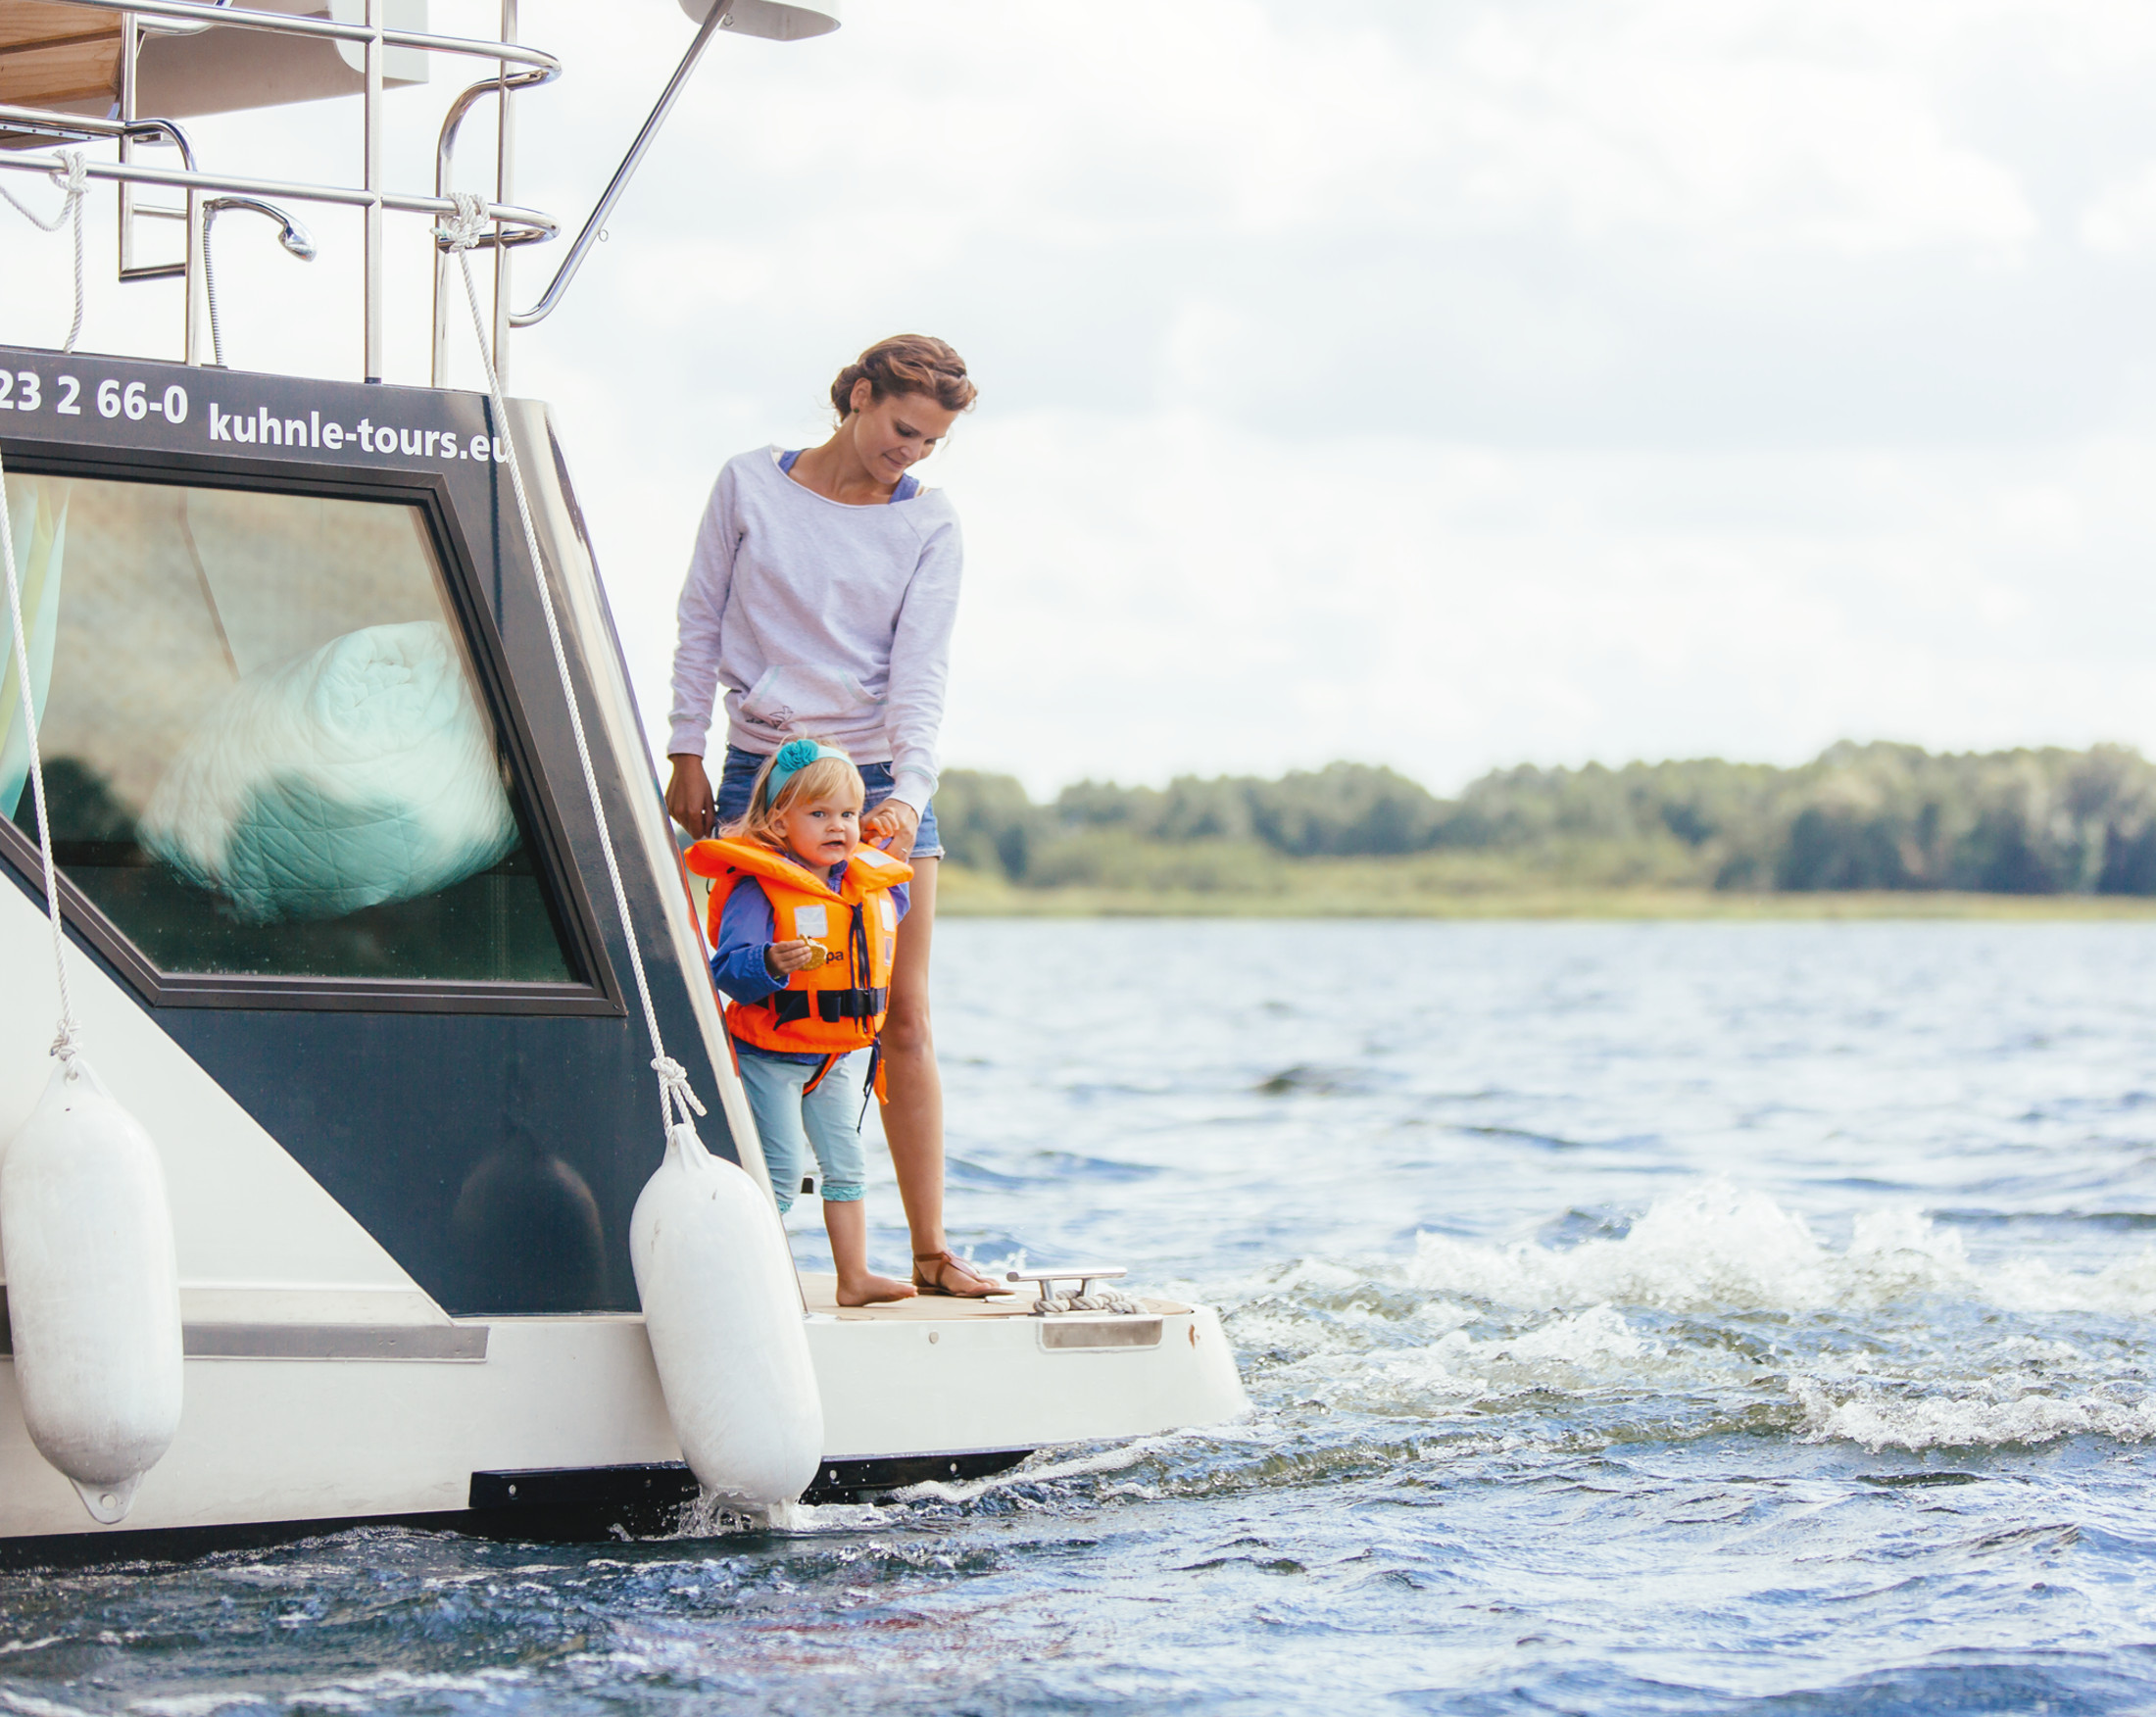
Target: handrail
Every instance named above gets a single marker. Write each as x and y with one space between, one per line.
38 121
719 16
286 24
445 144
513 223
455 117
534 224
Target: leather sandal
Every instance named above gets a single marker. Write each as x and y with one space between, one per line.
938 1263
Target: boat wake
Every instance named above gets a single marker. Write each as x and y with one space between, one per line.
1717 1311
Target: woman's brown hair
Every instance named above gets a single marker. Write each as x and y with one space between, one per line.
906 364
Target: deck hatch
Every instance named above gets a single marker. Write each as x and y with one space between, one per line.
1071 1332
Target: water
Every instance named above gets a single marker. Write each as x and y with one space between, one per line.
1665 1319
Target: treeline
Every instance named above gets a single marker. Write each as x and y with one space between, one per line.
1859 817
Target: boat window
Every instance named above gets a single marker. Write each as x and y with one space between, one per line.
264 747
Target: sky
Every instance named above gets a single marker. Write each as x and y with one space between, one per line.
1442 383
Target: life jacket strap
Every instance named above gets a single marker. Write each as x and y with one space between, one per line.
874 1084
833 1006
792 1007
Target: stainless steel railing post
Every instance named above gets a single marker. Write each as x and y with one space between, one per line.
193 275
505 162
718 18
130 45
373 369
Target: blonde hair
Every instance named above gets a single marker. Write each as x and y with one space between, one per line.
826 778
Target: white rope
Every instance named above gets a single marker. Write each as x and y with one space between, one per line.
73 179
1101 1300
64 1045
461 232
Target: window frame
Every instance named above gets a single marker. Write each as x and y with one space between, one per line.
598 992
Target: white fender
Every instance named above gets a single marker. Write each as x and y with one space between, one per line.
93 1290
723 1311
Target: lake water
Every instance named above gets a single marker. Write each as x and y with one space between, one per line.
1656 1318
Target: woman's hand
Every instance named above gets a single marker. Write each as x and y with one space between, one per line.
782 957
898 820
689 793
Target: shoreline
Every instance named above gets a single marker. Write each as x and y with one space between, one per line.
969 893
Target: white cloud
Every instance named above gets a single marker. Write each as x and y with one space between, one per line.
2123 216
1512 379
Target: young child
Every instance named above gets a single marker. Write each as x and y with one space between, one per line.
804 922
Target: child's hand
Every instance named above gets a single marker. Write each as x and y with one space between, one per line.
793 957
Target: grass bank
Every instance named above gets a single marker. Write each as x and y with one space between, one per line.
1405 888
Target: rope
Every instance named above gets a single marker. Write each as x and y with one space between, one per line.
1103 1299
676 1099
66 1044
73 179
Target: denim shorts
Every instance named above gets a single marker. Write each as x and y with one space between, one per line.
740 775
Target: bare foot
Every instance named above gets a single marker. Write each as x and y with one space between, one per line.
873 1291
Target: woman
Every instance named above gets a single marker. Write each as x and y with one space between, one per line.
820 595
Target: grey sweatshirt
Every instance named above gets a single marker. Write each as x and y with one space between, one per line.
818 618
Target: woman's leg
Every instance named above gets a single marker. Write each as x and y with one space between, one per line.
912 1119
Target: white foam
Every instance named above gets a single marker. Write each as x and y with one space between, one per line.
1461 1327
821 1517
30 1706
1717 1247
1581 1352
1965 1422
1114 1459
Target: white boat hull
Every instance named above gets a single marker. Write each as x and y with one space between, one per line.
292 1439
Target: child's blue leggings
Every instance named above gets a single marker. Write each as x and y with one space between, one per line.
788 1125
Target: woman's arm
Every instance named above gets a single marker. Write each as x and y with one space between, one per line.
920 664
698 617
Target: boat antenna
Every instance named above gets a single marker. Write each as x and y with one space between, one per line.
676 1099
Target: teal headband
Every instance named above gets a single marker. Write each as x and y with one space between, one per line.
793 756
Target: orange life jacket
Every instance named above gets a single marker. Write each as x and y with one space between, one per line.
836 1007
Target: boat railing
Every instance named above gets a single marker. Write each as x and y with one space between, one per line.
520 67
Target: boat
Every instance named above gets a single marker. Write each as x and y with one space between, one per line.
379 961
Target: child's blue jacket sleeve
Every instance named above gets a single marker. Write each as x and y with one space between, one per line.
745 926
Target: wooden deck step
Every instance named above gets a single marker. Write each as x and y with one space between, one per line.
822 1294
51 55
